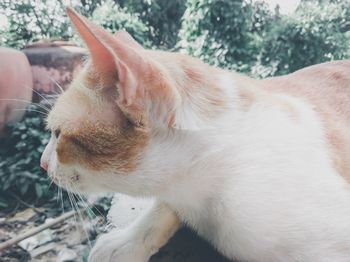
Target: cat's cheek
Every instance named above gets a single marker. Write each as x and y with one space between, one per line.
52 165
63 175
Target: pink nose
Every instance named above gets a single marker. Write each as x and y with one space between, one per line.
44 165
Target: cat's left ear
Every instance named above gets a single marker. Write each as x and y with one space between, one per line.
139 78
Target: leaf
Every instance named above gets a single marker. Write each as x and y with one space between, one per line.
3 203
24 188
39 190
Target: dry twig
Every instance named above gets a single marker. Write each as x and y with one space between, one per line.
36 230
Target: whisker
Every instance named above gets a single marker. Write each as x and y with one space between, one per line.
51 183
44 98
59 86
36 92
87 207
32 110
24 101
71 203
79 212
53 95
81 200
60 194
13 99
86 202
62 202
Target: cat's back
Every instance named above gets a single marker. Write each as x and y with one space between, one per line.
326 85
327 88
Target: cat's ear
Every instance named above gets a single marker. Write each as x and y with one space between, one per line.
139 79
102 58
127 39
112 56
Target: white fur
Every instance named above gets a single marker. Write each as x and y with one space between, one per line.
259 185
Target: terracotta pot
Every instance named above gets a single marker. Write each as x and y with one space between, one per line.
16 85
54 65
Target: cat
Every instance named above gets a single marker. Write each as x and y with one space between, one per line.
259 168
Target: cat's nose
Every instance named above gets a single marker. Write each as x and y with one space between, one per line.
44 165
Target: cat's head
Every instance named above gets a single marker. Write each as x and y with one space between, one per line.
102 126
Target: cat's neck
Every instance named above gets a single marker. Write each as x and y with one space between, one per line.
207 100
200 93
180 151
202 127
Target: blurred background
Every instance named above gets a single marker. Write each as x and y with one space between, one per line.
40 53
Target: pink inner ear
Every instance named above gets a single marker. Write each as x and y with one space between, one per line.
122 54
127 85
102 58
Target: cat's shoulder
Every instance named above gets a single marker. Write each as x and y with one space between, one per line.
326 89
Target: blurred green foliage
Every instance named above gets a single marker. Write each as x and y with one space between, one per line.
114 17
225 33
315 33
243 35
33 20
20 152
155 22
162 18
248 37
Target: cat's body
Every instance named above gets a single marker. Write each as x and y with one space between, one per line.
326 87
258 168
260 184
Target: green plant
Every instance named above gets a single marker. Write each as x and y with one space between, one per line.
162 18
225 33
30 21
20 152
113 17
315 33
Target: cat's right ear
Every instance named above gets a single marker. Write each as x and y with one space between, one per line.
102 57
144 87
114 58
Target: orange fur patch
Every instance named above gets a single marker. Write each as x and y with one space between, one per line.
94 131
99 147
327 87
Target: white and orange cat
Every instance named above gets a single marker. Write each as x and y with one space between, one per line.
260 168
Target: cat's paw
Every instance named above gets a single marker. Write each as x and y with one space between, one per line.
119 246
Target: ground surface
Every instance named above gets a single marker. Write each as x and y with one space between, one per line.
72 239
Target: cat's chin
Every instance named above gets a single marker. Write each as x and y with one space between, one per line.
77 188
78 181
70 182
86 188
